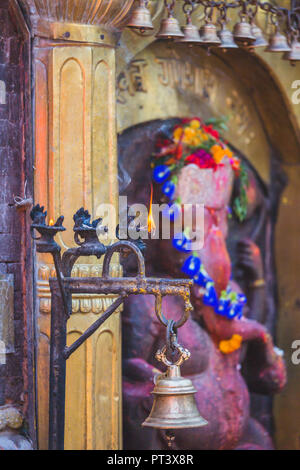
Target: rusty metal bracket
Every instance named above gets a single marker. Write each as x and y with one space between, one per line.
64 286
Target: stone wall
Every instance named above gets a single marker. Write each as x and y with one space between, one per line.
15 177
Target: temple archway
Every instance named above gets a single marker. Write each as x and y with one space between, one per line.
172 81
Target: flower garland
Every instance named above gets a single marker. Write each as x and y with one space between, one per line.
195 142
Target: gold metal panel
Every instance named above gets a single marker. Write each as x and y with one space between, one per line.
76 387
76 165
107 399
286 404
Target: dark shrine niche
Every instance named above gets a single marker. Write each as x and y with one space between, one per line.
135 147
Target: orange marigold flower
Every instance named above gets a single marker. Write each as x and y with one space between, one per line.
231 345
177 134
195 124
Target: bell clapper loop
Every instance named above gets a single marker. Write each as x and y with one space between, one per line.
172 348
170 438
186 313
170 7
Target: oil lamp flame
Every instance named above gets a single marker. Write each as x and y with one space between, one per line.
151 223
51 222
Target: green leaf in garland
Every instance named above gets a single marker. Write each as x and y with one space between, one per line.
240 203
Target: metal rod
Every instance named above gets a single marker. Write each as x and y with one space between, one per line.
108 312
57 369
57 264
127 285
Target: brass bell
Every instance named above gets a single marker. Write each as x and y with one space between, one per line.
169 28
226 38
174 404
278 43
141 17
208 34
294 54
242 33
260 40
191 34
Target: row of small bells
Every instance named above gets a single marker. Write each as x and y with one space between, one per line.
245 33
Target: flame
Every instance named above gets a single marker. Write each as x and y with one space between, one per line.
51 222
151 223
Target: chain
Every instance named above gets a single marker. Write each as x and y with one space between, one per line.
245 4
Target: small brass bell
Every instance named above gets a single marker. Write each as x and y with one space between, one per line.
278 43
242 32
174 404
260 40
294 54
208 34
169 28
191 34
226 38
141 17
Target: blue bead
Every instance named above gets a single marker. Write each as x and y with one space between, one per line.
242 299
223 307
169 189
161 173
191 266
201 279
236 310
210 297
182 244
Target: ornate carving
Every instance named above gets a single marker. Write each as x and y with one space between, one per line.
81 303
10 417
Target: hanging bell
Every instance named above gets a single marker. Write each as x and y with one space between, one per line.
170 29
174 404
260 40
294 54
141 18
226 37
208 34
242 33
278 43
191 34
